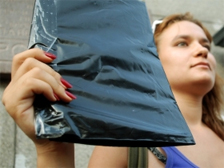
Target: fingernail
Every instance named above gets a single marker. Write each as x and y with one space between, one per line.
65 83
52 56
70 95
57 98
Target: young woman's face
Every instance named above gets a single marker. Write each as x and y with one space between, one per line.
184 51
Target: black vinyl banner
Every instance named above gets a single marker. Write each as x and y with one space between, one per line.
106 50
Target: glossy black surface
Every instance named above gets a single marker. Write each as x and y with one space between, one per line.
105 49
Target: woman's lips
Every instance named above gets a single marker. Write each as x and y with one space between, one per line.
201 64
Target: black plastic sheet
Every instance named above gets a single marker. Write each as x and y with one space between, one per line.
105 49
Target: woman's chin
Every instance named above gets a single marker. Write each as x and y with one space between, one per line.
203 85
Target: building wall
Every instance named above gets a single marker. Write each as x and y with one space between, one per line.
15 18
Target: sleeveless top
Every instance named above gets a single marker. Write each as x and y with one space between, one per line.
138 158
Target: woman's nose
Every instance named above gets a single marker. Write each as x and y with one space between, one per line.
201 51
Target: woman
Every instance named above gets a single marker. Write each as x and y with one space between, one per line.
184 50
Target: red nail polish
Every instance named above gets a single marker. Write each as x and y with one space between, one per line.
56 96
65 83
52 56
70 95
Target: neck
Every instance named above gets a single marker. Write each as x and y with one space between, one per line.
191 108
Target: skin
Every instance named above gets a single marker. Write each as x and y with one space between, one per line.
189 82
184 49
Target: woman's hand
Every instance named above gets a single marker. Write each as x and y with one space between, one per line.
30 76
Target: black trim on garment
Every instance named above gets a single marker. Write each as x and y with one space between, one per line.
158 154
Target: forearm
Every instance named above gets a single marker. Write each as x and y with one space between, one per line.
56 155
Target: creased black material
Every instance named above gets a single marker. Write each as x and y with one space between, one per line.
105 49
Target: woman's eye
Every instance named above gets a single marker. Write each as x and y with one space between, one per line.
182 44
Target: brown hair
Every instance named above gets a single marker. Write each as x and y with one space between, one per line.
213 100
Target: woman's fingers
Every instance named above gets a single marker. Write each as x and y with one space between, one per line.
52 80
35 53
30 64
38 69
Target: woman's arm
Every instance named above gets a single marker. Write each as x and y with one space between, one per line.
55 155
109 157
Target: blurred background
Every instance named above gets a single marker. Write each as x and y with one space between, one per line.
16 150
